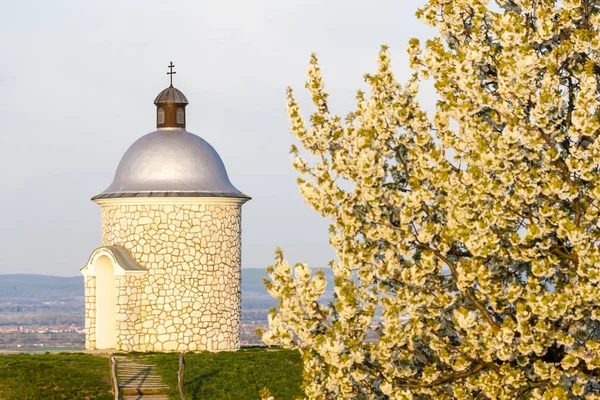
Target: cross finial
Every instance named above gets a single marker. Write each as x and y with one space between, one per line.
171 72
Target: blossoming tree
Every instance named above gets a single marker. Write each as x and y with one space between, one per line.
474 237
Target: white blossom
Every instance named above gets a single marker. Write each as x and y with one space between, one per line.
468 245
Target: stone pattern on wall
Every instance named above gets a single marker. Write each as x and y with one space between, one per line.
190 298
129 325
90 311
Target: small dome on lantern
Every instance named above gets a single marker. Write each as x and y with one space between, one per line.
171 95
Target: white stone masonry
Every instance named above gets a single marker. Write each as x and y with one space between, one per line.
189 298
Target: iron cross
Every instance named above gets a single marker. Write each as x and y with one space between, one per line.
171 66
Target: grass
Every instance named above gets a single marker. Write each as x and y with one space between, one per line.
54 376
236 375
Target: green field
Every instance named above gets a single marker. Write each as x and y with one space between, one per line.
228 375
54 376
40 350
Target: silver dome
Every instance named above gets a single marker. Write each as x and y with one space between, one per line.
171 162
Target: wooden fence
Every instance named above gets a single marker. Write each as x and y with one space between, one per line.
181 374
113 376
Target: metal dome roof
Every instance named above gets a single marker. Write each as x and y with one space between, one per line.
171 162
171 95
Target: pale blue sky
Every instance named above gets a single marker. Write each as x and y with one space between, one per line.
77 82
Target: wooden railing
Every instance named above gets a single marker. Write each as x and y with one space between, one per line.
113 376
115 385
181 374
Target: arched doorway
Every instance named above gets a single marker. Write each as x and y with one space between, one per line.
106 304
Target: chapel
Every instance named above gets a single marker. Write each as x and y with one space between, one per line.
167 274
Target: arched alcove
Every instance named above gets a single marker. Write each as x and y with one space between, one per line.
106 304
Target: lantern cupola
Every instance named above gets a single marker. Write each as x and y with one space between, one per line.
170 105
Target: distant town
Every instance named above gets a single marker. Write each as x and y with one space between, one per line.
36 337
45 313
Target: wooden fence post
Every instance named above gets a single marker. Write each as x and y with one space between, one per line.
181 374
113 376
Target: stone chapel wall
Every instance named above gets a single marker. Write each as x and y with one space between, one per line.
128 315
90 311
190 298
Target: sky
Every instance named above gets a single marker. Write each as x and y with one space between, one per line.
77 84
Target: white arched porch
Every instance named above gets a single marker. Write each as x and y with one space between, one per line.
102 272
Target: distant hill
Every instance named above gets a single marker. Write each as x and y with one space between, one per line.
40 288
37 289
